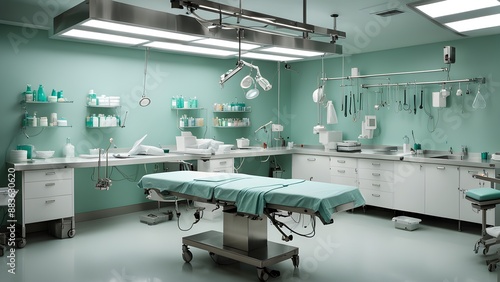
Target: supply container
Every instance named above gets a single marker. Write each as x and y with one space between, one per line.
242 142
406 222
4 196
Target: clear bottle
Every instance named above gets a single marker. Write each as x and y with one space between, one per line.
69 149
173 104
35 120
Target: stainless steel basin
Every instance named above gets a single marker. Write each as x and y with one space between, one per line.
449 157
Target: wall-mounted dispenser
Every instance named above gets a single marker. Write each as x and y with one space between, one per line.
367 127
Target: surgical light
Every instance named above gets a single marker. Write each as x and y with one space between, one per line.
189 49
475 23
226 76
83 34
451 7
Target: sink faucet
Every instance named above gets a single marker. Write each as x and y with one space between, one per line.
464 150
451 150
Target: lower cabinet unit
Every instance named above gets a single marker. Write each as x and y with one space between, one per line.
344 171
311 167
409 187
441 190
375 178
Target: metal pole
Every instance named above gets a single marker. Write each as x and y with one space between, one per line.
480 80
385 74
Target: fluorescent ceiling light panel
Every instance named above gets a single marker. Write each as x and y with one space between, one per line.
269 57
475 23
140 30
190 49
83 34
450 7
293 52
227 44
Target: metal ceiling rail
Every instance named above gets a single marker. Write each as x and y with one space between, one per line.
385 74
479 80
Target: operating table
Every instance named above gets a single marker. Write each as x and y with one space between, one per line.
246 201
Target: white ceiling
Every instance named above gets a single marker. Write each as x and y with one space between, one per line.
365 32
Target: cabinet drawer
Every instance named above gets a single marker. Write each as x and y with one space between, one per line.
349 181
216 165
376 164
377 198
48 174
376 185
343 162
48 208
379 175
48 188
343 171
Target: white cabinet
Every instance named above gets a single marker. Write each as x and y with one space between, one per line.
441 190
344 171
216 165
467 213
311 167
47 194
375 178
409 187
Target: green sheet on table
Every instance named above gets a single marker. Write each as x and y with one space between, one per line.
250 194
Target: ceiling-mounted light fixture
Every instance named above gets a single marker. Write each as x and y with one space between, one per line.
460 16
230 73
111 21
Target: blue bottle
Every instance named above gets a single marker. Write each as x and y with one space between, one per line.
41 94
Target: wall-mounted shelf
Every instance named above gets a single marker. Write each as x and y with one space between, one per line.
247 111
47 103
232 126
103 107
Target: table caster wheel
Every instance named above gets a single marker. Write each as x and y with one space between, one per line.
492 267
295 261
71 233
262 274
486 250
21 243
186 254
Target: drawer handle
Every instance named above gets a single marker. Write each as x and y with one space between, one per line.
473 172
50 184
441 167
224 162
375 174
50 173
376 195
340 171
376 164
50 201
376 185
311 159
341 161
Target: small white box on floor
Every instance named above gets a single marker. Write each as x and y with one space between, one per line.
406 222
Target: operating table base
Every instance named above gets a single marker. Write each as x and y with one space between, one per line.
212 241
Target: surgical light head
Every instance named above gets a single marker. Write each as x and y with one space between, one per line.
226 76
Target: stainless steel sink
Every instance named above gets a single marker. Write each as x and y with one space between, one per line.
449 157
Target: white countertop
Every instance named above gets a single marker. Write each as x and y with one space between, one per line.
472 160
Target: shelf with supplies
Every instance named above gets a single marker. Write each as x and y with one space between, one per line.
103 112
186 122
231 115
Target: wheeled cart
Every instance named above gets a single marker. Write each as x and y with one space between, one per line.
245 240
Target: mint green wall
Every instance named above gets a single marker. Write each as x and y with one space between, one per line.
77 67
474 128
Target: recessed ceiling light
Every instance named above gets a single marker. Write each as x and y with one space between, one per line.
83 34
475 23
293 52
189 49
269 57
227 44
450 7
140 30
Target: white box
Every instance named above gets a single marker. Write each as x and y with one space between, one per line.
4 196
438 100
406 222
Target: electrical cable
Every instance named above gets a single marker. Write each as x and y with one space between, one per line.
237 169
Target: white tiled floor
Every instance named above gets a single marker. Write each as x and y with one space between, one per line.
357 247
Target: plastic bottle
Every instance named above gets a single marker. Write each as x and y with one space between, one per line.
41 94
69 149
35 120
